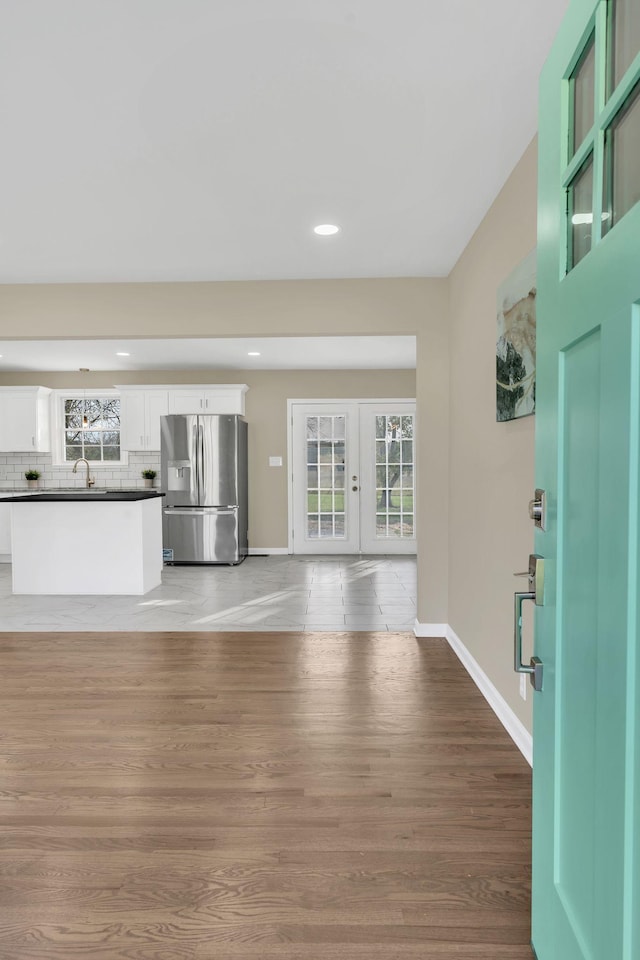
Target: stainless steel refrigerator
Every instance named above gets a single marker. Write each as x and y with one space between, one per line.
203 462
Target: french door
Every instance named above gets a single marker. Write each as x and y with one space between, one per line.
586 771
353 477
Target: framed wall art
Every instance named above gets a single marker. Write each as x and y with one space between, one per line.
516 343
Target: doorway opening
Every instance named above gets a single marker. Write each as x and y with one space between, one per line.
352 477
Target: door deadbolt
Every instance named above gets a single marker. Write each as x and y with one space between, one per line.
538 509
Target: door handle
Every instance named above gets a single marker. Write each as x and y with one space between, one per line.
201 490
199 512
535 575
195 458
534 668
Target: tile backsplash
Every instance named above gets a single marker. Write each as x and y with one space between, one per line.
13 466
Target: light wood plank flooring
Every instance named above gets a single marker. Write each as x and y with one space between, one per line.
275 796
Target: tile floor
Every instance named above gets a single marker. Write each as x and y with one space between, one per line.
263 593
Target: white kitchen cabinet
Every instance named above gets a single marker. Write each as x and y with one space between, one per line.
5 525
101 545
5 531
140 412
25 419
225 398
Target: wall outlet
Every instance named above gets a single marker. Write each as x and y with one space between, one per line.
524 683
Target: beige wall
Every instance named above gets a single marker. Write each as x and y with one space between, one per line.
229 309
415 306
491 464
266 411
432 515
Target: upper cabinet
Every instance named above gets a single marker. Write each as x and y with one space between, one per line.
25 419
142 406
224 398
140 412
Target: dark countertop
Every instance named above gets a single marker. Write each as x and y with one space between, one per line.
84 496
73 488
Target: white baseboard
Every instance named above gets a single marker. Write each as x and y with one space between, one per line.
271 551
514 727
430 629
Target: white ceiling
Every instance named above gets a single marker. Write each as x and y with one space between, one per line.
203 139
276 353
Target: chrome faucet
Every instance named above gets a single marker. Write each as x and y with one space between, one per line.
90 480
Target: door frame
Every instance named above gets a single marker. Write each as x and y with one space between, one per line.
329 400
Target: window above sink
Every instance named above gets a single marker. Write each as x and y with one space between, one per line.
87 423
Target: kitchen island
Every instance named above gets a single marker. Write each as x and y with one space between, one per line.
86 542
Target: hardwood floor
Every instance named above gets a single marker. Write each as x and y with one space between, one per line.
274 796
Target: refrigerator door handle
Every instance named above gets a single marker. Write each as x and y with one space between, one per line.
195 459
199 511
201 460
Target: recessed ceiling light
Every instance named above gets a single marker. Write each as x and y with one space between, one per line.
326 229
122 354
253 353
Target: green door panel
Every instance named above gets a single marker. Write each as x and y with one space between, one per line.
586 819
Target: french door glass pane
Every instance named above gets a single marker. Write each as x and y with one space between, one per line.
394 477
581 214
624 40
622 167
583 84
325 444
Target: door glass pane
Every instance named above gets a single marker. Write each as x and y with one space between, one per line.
394 476
624 39
580 208
622 167
583 86
325 504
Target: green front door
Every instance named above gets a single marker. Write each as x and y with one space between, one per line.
586 869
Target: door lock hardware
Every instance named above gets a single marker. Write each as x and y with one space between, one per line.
534 668
355 489
535 575
538 509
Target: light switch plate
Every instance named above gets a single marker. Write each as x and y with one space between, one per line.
275 461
